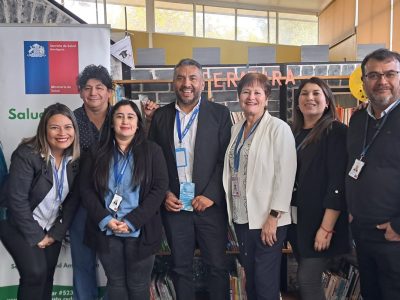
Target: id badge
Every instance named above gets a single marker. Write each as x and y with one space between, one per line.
187 195
356 168
115 202
181 160
293 212
235 186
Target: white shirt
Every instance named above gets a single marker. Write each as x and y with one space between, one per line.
47 211
188 142
371 113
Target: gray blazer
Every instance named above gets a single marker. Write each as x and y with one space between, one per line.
29 181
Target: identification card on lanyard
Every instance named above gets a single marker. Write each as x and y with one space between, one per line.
118 175
235 186
181 157
359 163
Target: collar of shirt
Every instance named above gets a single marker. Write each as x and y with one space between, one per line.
191 112
371 113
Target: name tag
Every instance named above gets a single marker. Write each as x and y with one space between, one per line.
235 186
356 168
187 195
115 202
181 159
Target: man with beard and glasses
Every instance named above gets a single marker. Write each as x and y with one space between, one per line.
194 134
373 194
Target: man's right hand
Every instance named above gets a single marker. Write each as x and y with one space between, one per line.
172 203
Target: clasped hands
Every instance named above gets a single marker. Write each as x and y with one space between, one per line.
118 226
200 203
46 242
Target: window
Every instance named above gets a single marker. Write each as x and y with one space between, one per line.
175 18
296 29
135 14
219 22
90 11
252 26
199 21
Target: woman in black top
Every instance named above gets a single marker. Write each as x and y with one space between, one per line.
320 224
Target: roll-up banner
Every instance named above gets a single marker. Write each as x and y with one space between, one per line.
39 65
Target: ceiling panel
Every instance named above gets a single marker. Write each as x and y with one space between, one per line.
299 6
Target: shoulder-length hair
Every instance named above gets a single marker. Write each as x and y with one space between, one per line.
39 142
251 79
107 146
327 118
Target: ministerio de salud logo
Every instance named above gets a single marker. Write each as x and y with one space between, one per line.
51 67
36 51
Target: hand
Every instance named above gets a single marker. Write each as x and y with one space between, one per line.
46 242
201 203
361 106
172 203
149 107
322 240
118 226
390 234
268 231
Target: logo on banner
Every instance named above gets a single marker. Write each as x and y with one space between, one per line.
36 51
51 67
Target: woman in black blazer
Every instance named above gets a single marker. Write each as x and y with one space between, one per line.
320 222
39 201
124 181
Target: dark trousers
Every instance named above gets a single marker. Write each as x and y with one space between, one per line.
309 276
379 265
262 263
127 277
209 230
36 266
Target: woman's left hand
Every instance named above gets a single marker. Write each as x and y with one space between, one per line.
268 231
322 240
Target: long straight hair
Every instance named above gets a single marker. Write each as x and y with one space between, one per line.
107 146
39 142
327 118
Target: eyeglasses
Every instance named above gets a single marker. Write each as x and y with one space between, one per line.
373 76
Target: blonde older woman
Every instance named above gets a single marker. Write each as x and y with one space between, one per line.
259 172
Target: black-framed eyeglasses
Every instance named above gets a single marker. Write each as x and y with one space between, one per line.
388 75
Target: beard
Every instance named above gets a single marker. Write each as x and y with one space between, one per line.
188 101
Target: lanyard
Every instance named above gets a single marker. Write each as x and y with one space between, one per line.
59 182
119 174
181 134
365 146
236 153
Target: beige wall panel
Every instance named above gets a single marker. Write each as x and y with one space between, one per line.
344 51
336 22
232 52
396 26
373 22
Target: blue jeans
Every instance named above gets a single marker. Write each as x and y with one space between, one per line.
127 277
83 260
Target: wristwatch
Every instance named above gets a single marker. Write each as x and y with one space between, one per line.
274 213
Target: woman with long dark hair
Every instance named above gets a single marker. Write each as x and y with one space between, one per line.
320 227
38 200
124 181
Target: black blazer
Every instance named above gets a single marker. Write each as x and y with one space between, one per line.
212 138
146 216
30 179
319 185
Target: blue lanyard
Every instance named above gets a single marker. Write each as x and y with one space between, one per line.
59 182
181 134
365 146
119 174
236 153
